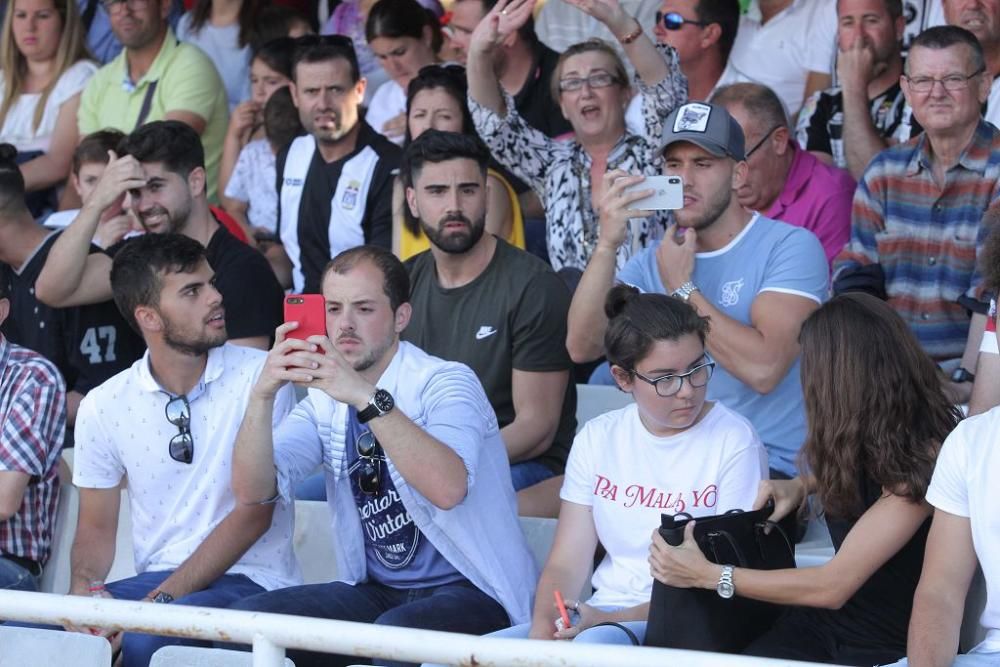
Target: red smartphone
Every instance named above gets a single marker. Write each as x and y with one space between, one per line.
309 310
561 606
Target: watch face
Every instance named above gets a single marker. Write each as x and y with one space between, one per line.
383 401
725 589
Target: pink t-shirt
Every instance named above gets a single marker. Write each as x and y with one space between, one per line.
817 197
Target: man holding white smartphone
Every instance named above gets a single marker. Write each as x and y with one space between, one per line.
756 279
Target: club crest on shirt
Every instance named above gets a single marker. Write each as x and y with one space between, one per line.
692 118
349 200
730 293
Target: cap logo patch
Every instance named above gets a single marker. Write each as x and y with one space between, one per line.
692 118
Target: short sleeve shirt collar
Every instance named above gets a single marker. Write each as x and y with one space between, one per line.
213 371
156 70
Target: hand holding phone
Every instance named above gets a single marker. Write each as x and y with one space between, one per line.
668 193
309 311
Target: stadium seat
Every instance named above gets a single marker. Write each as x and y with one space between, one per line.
194 656
55 576
28 647
593 400
313 541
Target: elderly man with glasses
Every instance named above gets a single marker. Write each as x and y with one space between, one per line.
416 470
784 182
916 221
165 429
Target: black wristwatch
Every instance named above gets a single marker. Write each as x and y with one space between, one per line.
162 597
960 375
380 403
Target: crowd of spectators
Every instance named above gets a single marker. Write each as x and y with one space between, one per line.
463 189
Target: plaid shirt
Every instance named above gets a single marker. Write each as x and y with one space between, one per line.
926 237
32 426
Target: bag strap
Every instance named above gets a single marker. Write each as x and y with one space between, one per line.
147 103
773 525
631 635
732 544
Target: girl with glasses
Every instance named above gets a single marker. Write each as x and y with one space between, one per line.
45 66
671 451
592 87
877 415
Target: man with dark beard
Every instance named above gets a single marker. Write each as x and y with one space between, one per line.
478 300
160 179
166 427
755 278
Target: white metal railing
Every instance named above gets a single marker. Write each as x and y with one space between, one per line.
271 634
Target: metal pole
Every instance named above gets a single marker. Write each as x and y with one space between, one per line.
266 653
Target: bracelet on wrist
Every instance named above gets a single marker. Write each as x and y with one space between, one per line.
632 36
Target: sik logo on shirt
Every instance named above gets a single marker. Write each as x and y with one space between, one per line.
637 495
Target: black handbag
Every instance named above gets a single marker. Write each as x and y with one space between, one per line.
701 620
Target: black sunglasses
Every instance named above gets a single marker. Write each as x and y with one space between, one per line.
178 413
674 21
369 465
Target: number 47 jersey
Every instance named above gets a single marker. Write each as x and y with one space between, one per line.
88 344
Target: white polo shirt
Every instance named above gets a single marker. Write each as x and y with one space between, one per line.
780 53
122 430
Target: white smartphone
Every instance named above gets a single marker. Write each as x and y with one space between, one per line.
668 193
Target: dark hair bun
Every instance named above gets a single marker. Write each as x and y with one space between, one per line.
619 297
8 154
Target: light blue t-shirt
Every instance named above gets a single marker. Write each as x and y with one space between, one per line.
767 256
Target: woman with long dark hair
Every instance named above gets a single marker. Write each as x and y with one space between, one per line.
877 415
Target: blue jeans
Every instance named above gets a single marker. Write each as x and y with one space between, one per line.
529 473
137 649
604 634
13 577
459 607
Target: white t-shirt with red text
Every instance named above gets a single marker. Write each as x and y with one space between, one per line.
629 477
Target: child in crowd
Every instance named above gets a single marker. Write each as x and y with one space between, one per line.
90 159
251 194
270 70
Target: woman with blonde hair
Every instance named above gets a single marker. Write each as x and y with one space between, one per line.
45 66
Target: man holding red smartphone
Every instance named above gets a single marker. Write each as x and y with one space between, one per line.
413 461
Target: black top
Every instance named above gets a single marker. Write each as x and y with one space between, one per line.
512 316
88 344
878 614
313 229
250 291
534 102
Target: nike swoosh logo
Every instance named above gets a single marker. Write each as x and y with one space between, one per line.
485 332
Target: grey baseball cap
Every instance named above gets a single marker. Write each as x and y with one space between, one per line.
707 125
